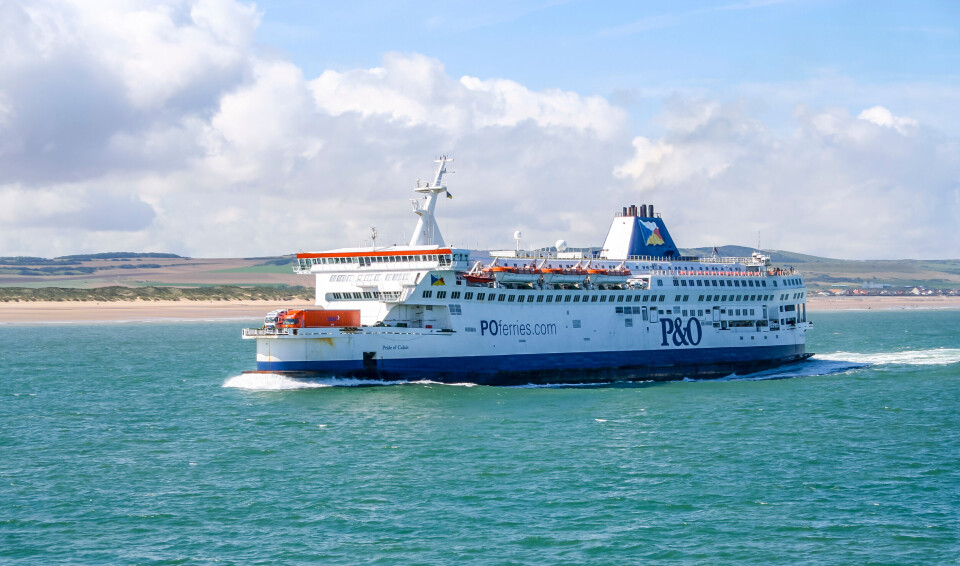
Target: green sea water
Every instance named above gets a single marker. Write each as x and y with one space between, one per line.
141 443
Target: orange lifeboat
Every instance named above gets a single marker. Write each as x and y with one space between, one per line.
557 275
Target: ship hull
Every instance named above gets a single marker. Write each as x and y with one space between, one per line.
554 368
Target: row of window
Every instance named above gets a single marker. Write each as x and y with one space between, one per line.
364 296
786 296
718 282
687 312
724 298
408 276
443 259
530 298
594 298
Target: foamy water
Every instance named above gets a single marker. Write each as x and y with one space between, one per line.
931 357
278 382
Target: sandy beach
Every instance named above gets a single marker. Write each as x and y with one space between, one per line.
89 311
817 303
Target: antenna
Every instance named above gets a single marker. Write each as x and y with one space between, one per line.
373 236
516 236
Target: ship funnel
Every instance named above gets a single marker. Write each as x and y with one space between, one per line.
632 236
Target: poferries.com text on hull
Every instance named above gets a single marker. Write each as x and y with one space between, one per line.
633 309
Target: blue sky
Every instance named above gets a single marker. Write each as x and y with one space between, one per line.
636 53
231 128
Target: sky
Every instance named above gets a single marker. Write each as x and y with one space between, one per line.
220 128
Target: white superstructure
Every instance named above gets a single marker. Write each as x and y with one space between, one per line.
633 309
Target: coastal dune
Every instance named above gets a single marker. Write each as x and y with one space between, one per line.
33 312
117 311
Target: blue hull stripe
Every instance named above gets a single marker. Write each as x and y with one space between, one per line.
552 368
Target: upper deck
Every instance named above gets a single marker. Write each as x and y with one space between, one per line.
386 259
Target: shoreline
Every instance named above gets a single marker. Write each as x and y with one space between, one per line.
820 304
138 311
185 310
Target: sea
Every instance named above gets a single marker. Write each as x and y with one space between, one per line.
142 443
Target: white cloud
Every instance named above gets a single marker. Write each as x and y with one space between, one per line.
155 126
882 117
873 186
415 89
160 113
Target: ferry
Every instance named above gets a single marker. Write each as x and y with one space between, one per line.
634 309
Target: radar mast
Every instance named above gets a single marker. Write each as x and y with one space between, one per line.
427 233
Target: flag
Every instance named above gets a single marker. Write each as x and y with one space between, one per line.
716 251
449 195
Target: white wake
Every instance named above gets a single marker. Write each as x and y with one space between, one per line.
278 382
932 357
